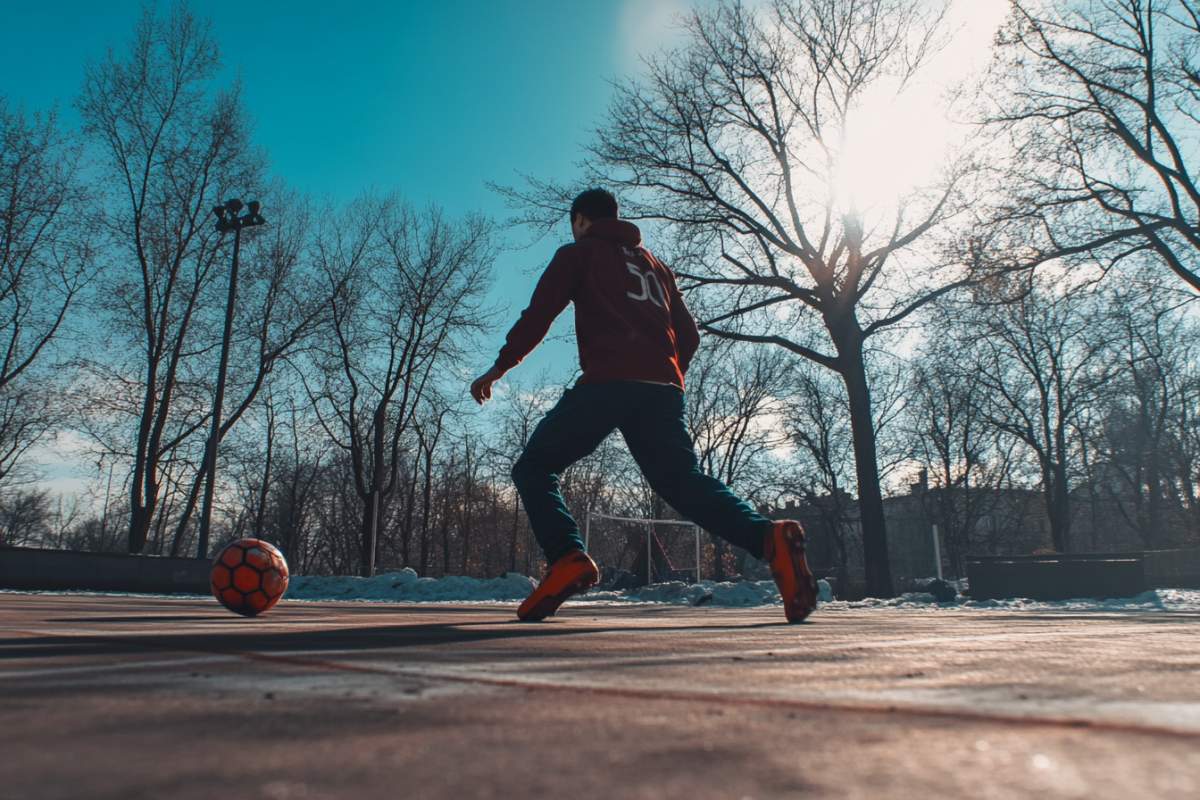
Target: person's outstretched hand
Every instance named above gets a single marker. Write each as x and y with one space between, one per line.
481 389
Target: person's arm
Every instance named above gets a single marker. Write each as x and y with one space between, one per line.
687 335
553 291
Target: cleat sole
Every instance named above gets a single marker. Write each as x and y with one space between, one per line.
548 605
798 585
547 601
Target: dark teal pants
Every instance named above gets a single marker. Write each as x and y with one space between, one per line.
650 417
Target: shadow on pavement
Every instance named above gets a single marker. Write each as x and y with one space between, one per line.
241 637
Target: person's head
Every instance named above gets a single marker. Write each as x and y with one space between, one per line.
590 206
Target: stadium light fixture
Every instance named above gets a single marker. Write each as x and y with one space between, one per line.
228 219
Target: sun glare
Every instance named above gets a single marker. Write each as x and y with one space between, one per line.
893 144
899 139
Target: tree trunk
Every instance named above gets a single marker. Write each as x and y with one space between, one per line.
189 506
406 533
291 524
1059 508
426 503
1154 500
493 523
139 525
512 539
444 530
720 551
364 534
843 560
261 512
141 505
466 517
870 496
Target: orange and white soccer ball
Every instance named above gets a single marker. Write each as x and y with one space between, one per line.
249 576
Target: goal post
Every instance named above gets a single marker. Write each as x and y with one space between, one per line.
587 525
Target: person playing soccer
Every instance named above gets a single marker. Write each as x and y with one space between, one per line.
636 338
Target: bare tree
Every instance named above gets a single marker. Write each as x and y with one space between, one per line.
429 433
949 430
278 308
334 542
253 458
46 253
816 420
46 247
1045 362
733 393
27 417
171 151
522 411
736 142
469 480
1101 100
24 518
1186 422
405 292
294 491
1140 452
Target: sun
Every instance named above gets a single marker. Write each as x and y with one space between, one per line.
895 141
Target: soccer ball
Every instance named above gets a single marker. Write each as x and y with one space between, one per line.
249 576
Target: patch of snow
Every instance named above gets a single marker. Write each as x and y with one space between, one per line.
743 593
1187 600
1153 600
406 585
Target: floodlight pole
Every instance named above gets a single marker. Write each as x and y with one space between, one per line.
374 529
649 553
227 220
937 551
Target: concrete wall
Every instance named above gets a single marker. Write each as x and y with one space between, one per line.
1056 577
28 568
1173 569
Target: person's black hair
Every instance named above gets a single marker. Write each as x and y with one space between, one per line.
594 204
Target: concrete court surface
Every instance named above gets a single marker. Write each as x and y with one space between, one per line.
126 697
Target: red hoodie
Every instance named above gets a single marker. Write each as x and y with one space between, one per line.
630 319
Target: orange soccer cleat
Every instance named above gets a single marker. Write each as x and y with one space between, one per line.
573 573
783 548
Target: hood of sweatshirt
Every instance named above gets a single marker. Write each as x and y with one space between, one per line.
615 230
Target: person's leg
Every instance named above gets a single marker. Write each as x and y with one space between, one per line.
656 432
576 426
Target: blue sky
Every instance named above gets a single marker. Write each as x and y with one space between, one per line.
432 99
